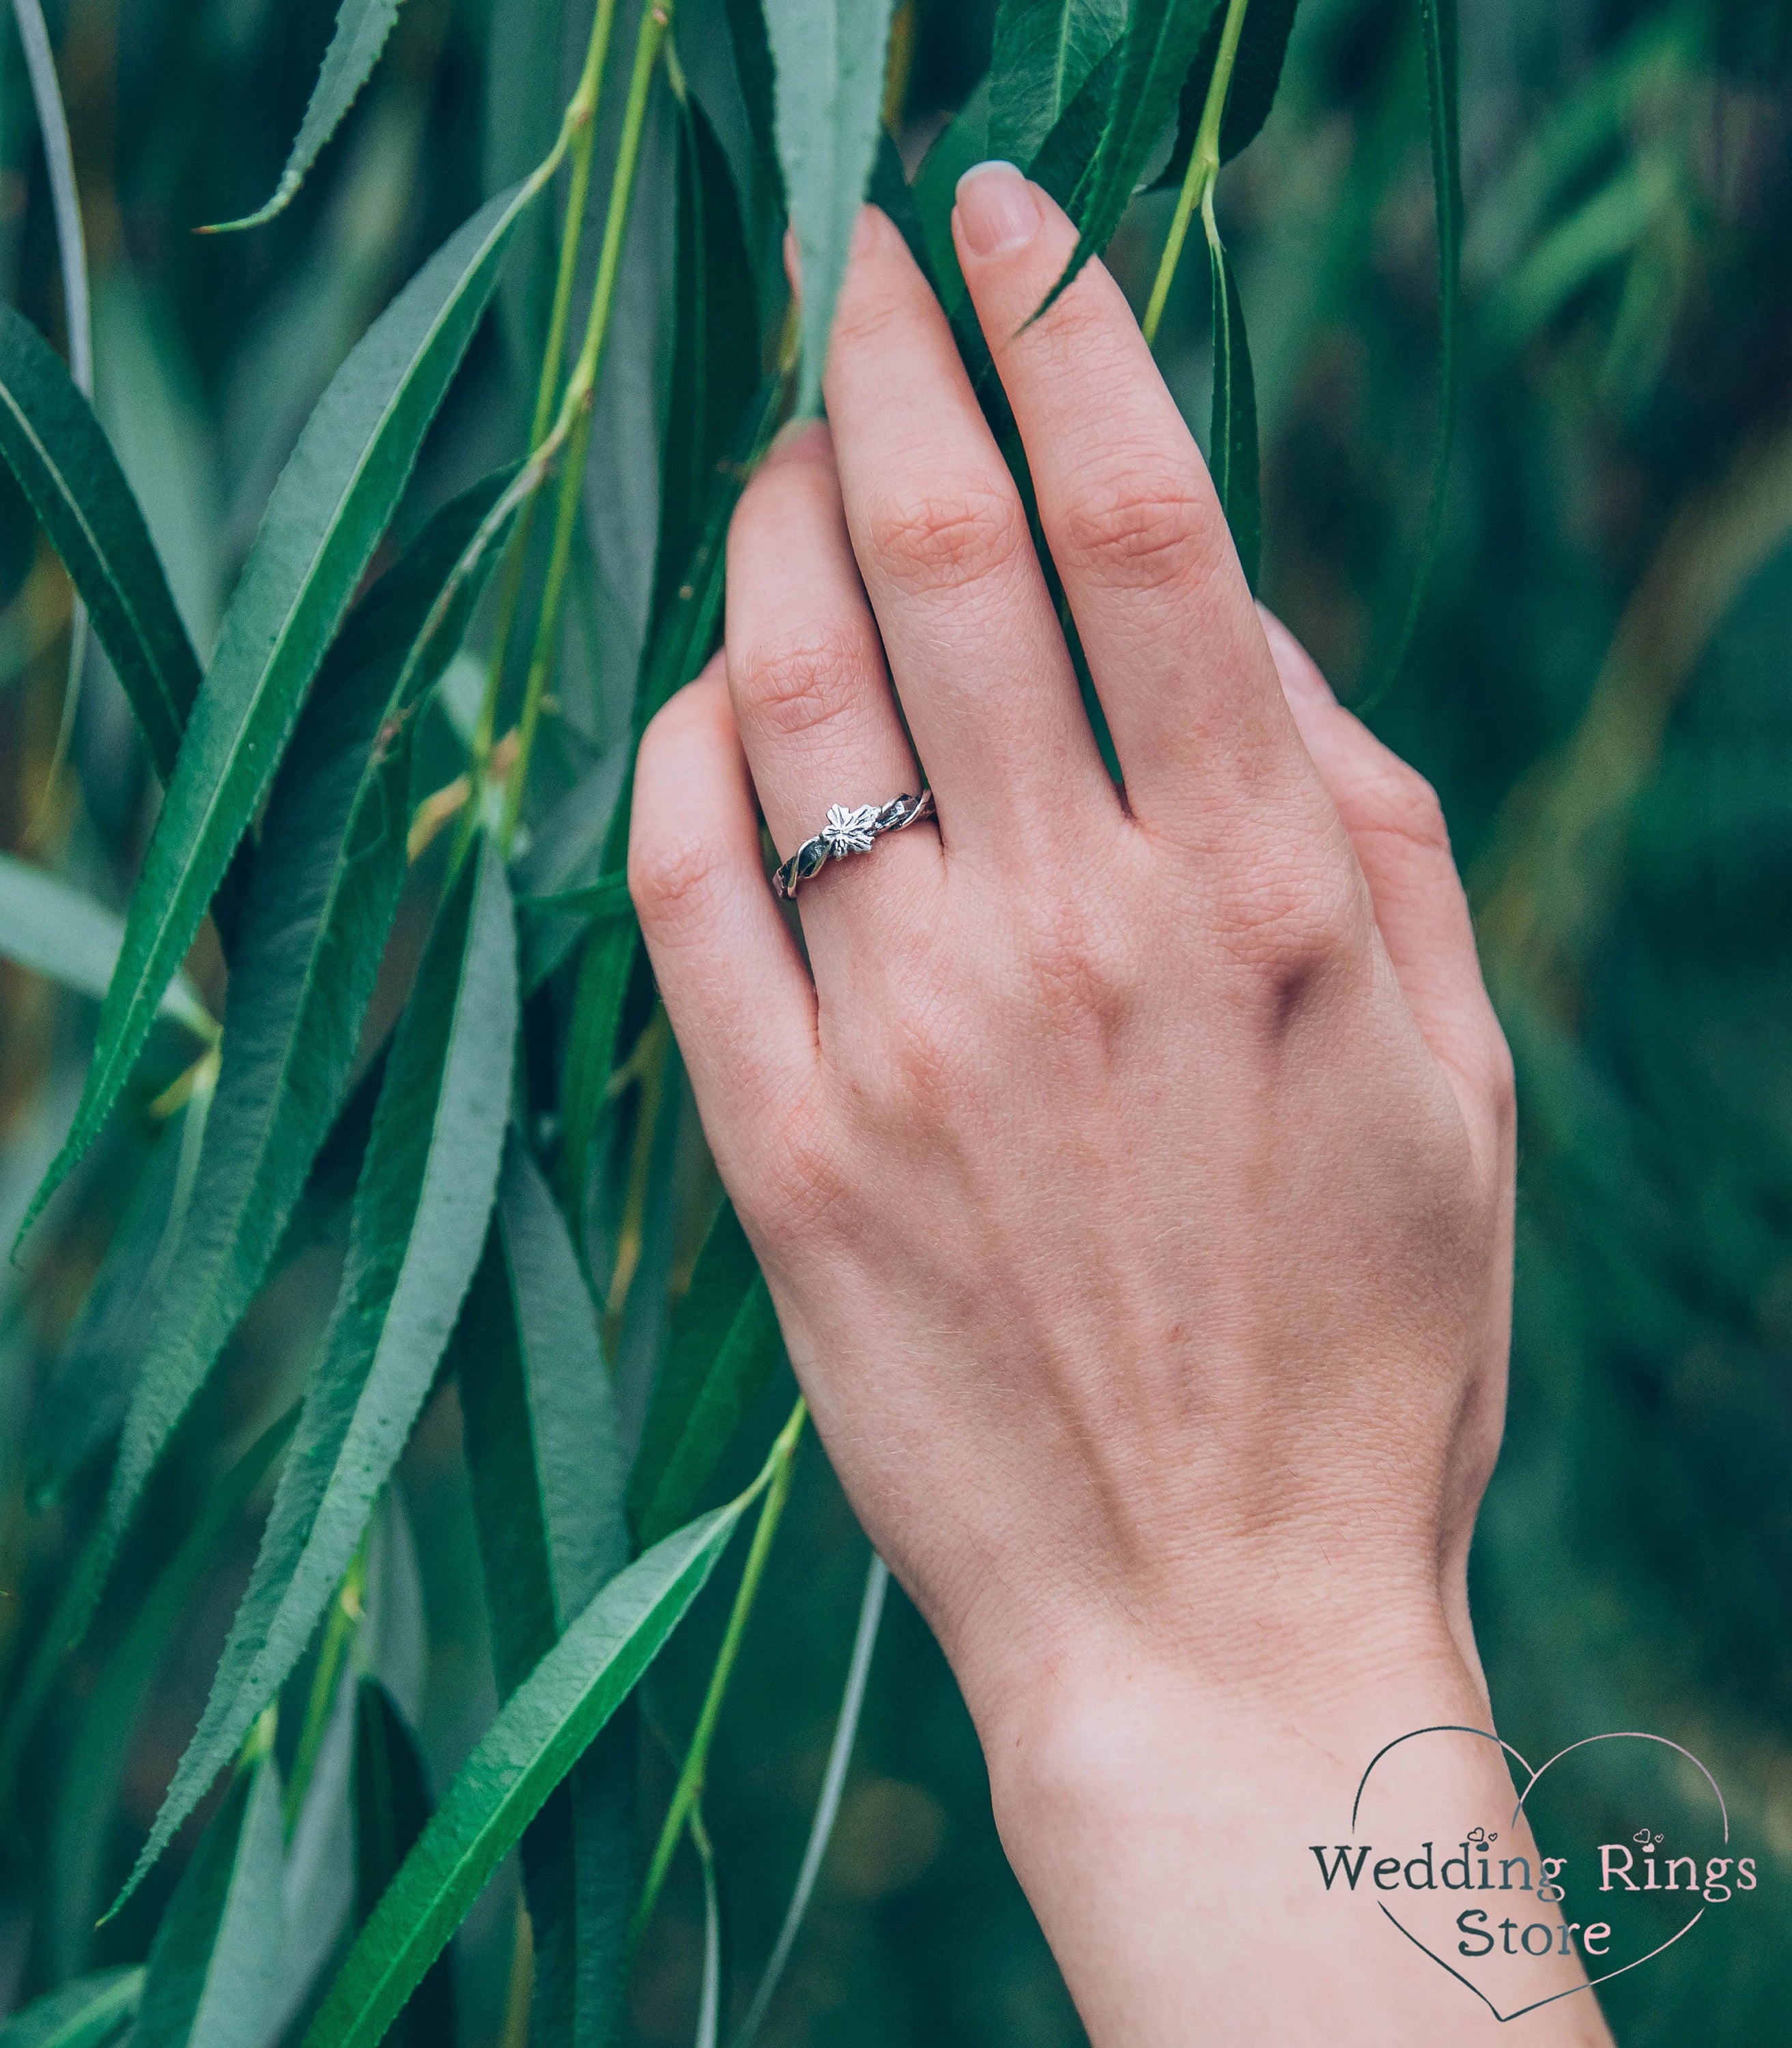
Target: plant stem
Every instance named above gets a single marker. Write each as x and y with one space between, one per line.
1204 167
579 128
779 1469
580 394
339 1636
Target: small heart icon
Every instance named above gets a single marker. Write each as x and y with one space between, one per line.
1581 1908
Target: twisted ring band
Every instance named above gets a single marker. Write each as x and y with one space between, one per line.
849 831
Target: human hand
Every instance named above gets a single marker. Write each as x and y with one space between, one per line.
1132 1171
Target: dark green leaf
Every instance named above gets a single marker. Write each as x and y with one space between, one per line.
1263 44
328 513
1232 443
391 1809
87 2014
102 1745
1161 38
1066 163
759 87
829 59
548 1480
213 1969
63 462
326 880
362 29
1044 50
419 1217
724 1349
542 1729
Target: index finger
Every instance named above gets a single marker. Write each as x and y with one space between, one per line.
1174 645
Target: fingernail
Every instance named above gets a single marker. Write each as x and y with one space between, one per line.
996 208
792 430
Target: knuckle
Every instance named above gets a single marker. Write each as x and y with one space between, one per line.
674 877
1080 974
947 539
1499 1084
1397 800
798 687
1143 526
1291 924
802 1188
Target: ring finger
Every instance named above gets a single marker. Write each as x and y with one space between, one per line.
811 692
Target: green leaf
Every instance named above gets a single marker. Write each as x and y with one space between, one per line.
1043 52
1263 45
758 85
362 29
1066 159
59 931
85 1811
419 1222
1232 441
1161 38
548 1480
328 510
1438 19
829 58
600 902
214 1966
391 1798
323 891
724 1349
87 2014
65 465
542 1729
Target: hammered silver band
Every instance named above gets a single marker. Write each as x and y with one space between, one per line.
855 830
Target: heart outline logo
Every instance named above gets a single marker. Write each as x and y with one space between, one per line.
1486 1734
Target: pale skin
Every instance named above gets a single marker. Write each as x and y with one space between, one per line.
1132 1167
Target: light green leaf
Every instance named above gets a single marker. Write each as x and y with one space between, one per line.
87 2014
1232 441
325 886
362 29
214 1966
59 931
328 510
419 1221
391 1798
540 1731
1044 50
86 1810
1161 39
65 465
549 1481
724 1349
829 56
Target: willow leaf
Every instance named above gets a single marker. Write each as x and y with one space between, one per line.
540 1731
58 451
419 1221
215 1965
1233 442
362 29
86 2013
1044 50
723 1350
829 59
327 514
1263 46
549 1481
391 1798
1161 39
758 84
325 883
59 931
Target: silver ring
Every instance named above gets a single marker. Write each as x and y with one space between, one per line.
854 831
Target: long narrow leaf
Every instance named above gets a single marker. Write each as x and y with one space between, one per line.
328 510
362 29
58 451
86 2013
829 57
1233 442
539 1733
215 1965
420 1210
724 1349
324 886
1044 50
1263 45
391 1809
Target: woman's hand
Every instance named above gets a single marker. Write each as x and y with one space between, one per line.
1132 1169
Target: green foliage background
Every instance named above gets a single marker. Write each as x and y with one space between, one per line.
1598 686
